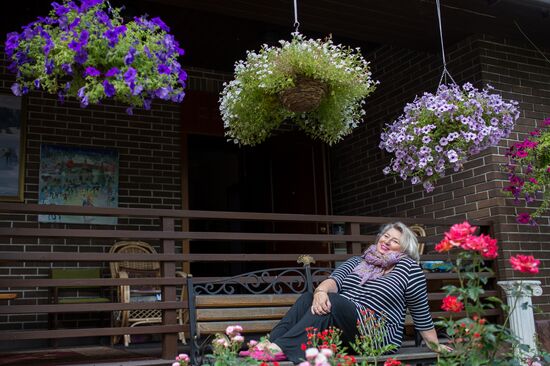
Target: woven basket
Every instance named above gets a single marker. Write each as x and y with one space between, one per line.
305 96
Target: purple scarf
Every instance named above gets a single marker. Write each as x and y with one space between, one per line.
375 263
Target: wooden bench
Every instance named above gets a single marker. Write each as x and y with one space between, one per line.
258 300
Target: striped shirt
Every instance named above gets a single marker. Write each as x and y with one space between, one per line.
390 295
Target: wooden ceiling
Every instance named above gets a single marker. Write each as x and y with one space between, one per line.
411 23
216 33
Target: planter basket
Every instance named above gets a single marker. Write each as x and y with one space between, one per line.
305 96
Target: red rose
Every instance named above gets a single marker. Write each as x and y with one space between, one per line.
525 263
451 303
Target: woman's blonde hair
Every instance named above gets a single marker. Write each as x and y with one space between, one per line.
408 241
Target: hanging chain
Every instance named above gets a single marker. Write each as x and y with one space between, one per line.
296 22
445 71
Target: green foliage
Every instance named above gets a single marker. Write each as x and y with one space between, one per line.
250 104
370 341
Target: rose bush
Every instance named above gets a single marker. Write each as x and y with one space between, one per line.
529 172
441 130
474 340
87 51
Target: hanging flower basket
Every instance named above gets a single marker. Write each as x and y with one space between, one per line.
442 130
315 84
305 96
86 51
529 172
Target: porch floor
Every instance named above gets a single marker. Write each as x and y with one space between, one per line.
144 354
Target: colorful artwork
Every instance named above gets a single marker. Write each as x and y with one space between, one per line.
12 148
80 177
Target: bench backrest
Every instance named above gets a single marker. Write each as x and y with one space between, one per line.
255 300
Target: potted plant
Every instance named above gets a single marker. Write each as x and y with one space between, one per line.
529 172
441 130
87 51
316 84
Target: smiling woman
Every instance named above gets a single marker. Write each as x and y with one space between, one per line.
385 280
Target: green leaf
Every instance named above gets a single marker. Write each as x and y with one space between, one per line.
494 299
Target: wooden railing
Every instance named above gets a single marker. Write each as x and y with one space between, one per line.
167 235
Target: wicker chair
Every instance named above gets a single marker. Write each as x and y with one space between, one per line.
420 233
136 269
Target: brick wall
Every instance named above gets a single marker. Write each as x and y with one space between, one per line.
360 188
148 143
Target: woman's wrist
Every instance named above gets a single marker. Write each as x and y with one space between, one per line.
317 290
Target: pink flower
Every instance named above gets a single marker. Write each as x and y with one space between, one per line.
451 303
252 343
233 330
222 342
523 218
458 233
490 249
327 352
238 338
305 363
546 122
525 263
444 246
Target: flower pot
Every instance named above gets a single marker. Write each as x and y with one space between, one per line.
305 96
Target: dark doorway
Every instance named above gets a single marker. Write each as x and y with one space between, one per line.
286 174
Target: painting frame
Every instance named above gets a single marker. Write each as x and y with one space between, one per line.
13 140
86 176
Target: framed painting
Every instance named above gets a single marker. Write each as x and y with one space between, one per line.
12 148
78 176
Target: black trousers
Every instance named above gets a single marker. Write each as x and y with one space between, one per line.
290 333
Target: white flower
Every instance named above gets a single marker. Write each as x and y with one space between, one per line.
311 353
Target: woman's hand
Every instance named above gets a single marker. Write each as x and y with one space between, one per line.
443 348
321 303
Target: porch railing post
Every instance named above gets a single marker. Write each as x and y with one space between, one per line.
522 321
354 228
169 317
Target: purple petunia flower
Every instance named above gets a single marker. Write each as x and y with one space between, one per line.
113 34
49 66
81 92
74 23
137 89
147 104
112 72
91 71
160 24
81 57
162 93
163 69
182 77
67 68
74 45
60 10
16 89
103 17
37 83
12 41
130 75
108 88
87 4
129 58
178 97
